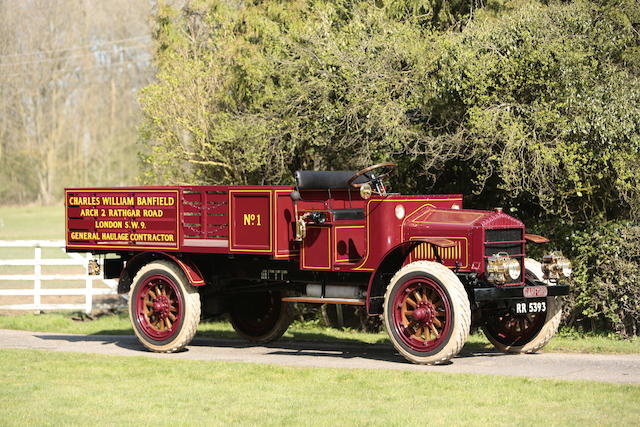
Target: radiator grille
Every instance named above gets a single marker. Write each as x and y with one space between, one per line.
510 241
504 235
509 248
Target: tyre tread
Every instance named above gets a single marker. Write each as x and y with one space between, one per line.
191 309
458 295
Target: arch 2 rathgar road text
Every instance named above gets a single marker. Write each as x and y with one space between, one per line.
430 268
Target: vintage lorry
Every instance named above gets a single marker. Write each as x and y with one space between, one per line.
429 267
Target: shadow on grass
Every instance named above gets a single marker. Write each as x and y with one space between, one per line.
341 350
469 349
123 331
473 348
125 341
218 329
315 344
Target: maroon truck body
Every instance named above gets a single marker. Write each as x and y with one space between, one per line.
235 242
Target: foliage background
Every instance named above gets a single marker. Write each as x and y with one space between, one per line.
69 71
529 105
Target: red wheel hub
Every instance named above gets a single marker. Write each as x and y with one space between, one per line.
422 314
159 308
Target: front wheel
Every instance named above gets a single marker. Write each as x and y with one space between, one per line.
427 313
525 333
164 307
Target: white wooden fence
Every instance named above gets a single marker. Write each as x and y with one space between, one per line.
75 259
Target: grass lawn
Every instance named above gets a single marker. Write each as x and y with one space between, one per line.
66 388
32 223
565 341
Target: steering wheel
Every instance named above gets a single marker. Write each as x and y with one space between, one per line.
376 180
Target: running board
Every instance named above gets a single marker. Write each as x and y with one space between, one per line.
318 300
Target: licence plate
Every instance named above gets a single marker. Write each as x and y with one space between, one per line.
534 291
527 307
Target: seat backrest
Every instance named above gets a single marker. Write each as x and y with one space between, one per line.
325 180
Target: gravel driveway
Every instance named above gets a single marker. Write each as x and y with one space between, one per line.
564 366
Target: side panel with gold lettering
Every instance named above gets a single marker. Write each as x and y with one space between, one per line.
250 213
123 219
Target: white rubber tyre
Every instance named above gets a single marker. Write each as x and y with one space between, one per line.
543 330
427 313
164 307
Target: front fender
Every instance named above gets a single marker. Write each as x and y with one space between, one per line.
391 263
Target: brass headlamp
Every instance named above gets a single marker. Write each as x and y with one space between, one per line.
501 268
556 266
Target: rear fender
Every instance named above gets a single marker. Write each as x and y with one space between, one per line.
189 268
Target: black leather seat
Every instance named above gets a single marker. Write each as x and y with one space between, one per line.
325 180
331 180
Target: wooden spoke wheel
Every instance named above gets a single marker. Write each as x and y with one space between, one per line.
515 330
260 317
164 307
525 333
159 309
427 313
422 314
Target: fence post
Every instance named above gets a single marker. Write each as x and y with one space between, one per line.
89 281
36 288
37 283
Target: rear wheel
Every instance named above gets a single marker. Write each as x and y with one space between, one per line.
427 313
260 317
525 333
164 307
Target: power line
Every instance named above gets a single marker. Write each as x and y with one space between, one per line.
39 52
40 61
70 71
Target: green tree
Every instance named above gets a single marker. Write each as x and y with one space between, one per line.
534 106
